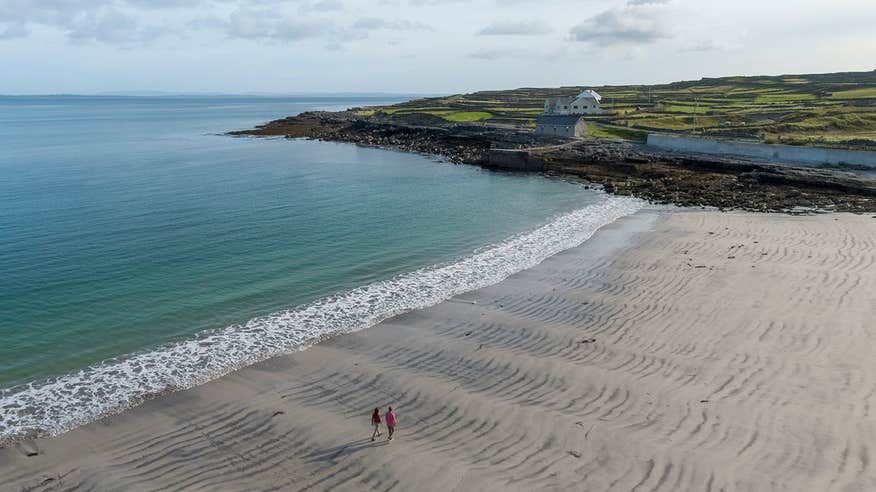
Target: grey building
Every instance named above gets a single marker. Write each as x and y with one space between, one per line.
567 125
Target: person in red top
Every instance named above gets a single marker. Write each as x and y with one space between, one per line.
375 421
390 422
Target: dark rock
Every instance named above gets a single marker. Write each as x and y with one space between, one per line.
621 168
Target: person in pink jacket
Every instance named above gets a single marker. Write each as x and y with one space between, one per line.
389 416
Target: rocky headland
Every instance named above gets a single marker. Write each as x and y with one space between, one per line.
621 167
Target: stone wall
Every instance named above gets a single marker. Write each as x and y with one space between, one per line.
765 152
515 160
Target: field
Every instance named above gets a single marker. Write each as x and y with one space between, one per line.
837 109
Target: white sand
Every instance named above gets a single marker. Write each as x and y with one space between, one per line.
720 351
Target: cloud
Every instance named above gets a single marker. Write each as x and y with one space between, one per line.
125 22
376 23
267 25
639 22
114 27
522 28
322 6
109 21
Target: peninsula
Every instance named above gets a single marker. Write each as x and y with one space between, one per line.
833 110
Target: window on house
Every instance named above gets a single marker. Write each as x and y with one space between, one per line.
576 107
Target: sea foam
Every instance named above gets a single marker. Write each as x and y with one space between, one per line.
57 405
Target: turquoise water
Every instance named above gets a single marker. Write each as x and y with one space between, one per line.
133 236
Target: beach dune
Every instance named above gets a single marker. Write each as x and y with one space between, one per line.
673 351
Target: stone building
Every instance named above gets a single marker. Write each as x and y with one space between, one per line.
562 115
561 125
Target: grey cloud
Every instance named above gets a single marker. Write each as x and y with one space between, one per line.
635 24
115 28
84 20
523 28
128 21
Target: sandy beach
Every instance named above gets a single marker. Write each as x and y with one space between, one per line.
675 350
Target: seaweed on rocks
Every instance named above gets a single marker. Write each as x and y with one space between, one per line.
622 168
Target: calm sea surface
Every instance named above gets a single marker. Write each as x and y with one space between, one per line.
128 225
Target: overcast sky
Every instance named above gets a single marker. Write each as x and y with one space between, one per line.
418 46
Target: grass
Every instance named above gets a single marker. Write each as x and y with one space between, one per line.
838 108
535 111
679 123
414 109
846 121
855 93
684 108
616 133
467 116
774 98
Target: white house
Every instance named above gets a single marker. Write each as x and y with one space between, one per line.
587 102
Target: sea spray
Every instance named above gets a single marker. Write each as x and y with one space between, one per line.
59 404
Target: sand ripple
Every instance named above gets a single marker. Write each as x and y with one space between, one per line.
721 352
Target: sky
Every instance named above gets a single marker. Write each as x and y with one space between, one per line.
418 46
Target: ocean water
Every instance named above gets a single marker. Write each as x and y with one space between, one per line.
141 251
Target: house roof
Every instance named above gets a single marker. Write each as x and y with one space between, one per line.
558 119
589 94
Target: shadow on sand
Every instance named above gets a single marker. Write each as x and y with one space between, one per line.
349 448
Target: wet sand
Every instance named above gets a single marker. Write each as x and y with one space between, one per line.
673 351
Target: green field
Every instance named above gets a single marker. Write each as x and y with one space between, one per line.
616 133
464 116
837 109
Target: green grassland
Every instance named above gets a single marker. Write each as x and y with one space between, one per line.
464 116
837 109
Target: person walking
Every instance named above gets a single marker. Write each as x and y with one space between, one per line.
375 421
390 423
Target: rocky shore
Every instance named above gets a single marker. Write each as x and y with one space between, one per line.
622 168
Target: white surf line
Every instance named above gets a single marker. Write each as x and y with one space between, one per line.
60 404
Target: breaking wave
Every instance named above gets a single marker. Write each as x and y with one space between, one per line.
57 405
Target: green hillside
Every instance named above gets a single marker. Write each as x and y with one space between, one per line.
837 109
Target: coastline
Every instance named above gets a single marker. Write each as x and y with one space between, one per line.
54 406
673 350
621 167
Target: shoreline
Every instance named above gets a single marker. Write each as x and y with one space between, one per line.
689 381
621 167
54 406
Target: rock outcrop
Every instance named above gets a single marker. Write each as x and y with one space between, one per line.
620 167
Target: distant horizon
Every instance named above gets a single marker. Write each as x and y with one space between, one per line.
135 93
378 94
